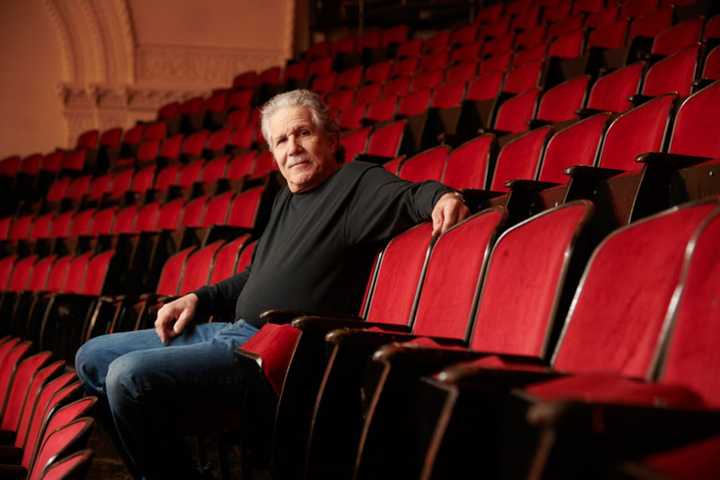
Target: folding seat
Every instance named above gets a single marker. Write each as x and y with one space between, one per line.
215 110
350 78
351 117
611 34
264 165
240 100
674 74
98 189
247 211
88 140
226 259
519 159
10 361
120 186
464 35
630 337
24 374
323 84
414 108
480 104
354 142
57 192
566 57
20 230
241 166
471 53
562 102
18 283
589 6
148 152
644 28
462 72
387 140
189 177
612 92
394 35
213 173
683 35
64 441
170 115
489 14
515 113
296 75
469 165
379 72
427 80
637 8
52 162
444 113
192 114
554 235
523 77
320 67
142 183
565 26
75 465
193 146
438 42
339 100
438 60
412 48
244 138
318 50
170 149
398 86
381 110
247 79
528 17
217 143
27 300
407 67
393 166
427 165
29 176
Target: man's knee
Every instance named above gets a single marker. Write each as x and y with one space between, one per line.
88 365
128 377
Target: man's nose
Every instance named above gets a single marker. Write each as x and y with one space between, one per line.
295 146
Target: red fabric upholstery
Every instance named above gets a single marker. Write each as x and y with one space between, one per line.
61 225
226 258
264 164
214 170
651 23
520 158
51 377
245 257
172 273
244 208
609 34
57 189
532 258
468 165
498 63
578 144
61 442
194 212
82 222
190 173
125 220
80 187
120 184
428 165
10 362
350 117
636 8
674 74
170 148
427 80
97 271
21 274
378 72
399 86
241 165
20 228
6 267
197 268
70 466
77 274
350 78
399 275
382 109
449 94
453 276
684 34
697 460
88 139
470 53
523 77
561 102
38 280
103 221
275 345
640 130
24 374
354 142
692 133
148 218
59 273
569 45
415 104
393 166
515 113
166 178
620 305
612 92
711 68
143 180
218 208
170 215
386 140
42 226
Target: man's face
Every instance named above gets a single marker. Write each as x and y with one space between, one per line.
304 153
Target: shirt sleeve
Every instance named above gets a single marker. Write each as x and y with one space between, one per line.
385 205
219 299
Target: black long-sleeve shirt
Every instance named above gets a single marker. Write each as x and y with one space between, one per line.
316 251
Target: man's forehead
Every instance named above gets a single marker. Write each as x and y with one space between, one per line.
290 117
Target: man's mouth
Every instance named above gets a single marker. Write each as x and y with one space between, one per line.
299 162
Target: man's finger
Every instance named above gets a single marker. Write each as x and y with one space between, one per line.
181 323
450 219
437 218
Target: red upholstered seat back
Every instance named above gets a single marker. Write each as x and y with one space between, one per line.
578 144
63 441
170 147
425 82
125 220
515 113
59 273
24 374
58 189
226 258
674 74
526 277
383 109
97 271
245 257
697 129
454 272
485 87
148 217
354 142
194 212
568 45
20 228
6 267
170 215
692 357
245 207
468 165
561 102
82 223
143 180
520 158
99 186
275 344
103 222
417 103
386 140
39 278
617 317
218 208
74 465
241 165
121 182
190 173
172 272
9 363
399 275
640 130
711 67
77 274
612 92
21 274
264 164
684 34
214 170
523 77
37 386
167 177
427 165
197 268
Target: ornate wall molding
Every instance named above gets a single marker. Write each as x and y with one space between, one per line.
168 65
63 33
289 29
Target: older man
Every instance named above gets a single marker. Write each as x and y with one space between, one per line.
313 256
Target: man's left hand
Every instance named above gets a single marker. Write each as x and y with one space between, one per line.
449 210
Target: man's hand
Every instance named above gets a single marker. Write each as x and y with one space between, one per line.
449 210
173 317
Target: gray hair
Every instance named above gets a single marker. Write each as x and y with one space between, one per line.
298 98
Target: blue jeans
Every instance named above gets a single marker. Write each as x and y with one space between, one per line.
150 386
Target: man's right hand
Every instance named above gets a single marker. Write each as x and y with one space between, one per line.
173 317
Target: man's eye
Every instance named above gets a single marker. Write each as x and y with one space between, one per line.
280 141
305 133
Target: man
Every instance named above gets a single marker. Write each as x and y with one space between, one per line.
313 256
